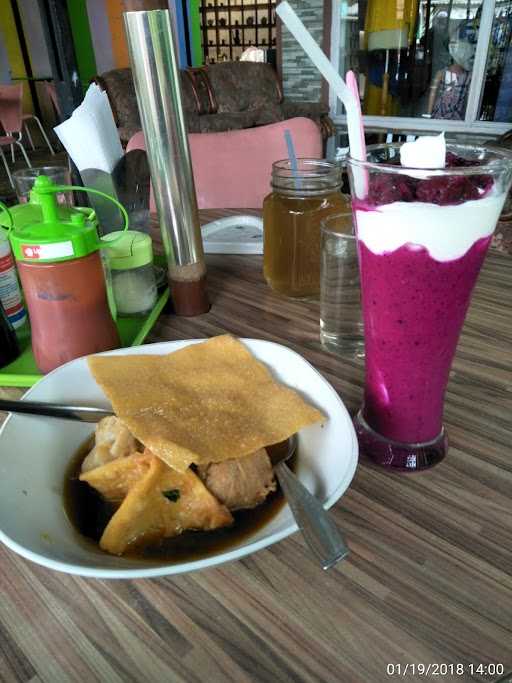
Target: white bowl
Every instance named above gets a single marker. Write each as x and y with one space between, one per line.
35 452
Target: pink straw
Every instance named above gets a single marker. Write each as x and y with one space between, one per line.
351 81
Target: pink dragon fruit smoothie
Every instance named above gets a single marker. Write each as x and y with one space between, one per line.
422 238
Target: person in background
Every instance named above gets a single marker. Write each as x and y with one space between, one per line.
450 87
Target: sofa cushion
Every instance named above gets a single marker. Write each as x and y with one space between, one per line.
240 86
118 84
120 89
216 123
313 110
270 112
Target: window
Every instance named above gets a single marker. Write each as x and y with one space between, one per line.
427 64
496 102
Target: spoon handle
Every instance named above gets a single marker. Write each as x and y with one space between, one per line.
320 532
80 413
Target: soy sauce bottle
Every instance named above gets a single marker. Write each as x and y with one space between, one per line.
9 348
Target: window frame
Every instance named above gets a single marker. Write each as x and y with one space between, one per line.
470 124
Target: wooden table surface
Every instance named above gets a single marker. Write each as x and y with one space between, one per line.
428 581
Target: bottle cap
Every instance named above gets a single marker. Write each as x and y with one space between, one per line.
132 249
30 213
53 235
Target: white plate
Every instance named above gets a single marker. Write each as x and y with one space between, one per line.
34 453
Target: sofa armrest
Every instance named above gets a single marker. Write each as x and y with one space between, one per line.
311 110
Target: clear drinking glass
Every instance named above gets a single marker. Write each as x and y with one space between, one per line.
422 237
25 178
341 326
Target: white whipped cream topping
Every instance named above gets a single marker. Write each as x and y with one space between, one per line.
428 151
447 232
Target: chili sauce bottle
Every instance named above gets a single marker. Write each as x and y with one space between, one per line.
64 284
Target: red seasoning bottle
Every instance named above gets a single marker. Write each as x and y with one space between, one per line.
64 284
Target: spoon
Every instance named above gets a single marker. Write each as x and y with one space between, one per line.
318 529
80 413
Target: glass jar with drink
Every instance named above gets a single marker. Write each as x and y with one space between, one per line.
300 200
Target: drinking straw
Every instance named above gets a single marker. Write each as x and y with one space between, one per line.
352 85
292 157
344 93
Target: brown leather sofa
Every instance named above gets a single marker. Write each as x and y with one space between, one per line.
217 97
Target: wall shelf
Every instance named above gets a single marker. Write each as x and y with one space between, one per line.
234 7
262 28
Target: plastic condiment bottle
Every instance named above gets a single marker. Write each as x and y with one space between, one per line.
130 261
10 294
64 285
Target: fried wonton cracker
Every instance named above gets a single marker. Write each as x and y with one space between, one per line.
208 402
117 477
162 504
112 440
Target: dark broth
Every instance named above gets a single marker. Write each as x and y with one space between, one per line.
89 514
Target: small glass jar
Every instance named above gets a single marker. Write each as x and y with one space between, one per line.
130 262
292 213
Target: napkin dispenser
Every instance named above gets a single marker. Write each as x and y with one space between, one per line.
97 160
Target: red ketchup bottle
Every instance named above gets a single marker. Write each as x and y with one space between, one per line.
63 282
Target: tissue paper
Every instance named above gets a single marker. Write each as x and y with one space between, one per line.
90 136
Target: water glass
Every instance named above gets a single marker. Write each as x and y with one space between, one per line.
341 326
25 178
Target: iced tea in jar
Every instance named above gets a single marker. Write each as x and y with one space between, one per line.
300 200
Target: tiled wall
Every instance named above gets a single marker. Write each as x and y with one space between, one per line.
301 80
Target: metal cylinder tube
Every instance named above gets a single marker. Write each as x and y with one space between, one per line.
156 76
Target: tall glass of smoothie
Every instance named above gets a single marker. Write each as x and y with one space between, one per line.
423 233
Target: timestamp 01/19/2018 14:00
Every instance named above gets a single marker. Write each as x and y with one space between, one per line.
444 669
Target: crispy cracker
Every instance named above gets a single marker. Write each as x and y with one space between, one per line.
208 402
147 516
114 479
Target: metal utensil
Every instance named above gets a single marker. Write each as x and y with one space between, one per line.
79 413
318 529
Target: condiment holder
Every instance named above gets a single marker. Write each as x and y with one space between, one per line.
63 279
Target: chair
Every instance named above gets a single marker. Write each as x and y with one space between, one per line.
217 98
28 117
51 91
11 118
232 169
